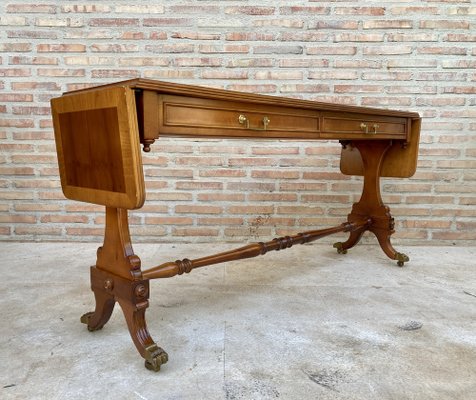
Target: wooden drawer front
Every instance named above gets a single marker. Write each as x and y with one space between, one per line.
363 126
189 115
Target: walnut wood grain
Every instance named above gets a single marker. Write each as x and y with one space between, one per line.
97 134
97 142
170 269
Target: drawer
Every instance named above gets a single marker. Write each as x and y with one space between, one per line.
362 126
227 118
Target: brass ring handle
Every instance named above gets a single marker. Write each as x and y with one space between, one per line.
243 120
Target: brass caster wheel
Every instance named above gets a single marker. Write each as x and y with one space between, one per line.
401 259
340 248
155 357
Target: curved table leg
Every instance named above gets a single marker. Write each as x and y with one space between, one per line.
133 298
354 238
370 206
98 318
383 238
154 355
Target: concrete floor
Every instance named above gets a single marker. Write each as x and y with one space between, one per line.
305 323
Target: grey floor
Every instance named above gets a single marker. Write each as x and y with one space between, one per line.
305 323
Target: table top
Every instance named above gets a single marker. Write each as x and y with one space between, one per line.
222 94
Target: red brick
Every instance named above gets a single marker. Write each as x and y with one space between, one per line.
16 97
224 75
31 8
248 161
139 9
220 221
47 49
85 8
305 88
359 37
281 23
412 37
453 50
98 232
278 49
209 232
444 24
267 150
5 231
98 22
387 24
17 219
185 185
303 36
270 221
251 186
276 174
21 110
408 10
250 209
273 197
167 22
303 63
359 11
249 36
303 186
199 161
39 230
248 232
197 209
16 60
220 197
61 48
111 73
189 9
64 219
248 62
388 50
15 72
173 196
169 220
338 24
299 210
196 36
222 173
357 89
15 47
250 10
332 50
304 10
198 62
59 72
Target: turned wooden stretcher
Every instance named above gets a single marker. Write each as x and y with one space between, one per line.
98 132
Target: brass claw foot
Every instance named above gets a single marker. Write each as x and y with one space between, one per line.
85 318
401 259
155 356
340 248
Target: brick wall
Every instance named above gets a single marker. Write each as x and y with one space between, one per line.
411 55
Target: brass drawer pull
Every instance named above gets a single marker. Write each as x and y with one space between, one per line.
365 128
243 120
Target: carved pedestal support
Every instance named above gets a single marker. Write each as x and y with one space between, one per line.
117 278
370 206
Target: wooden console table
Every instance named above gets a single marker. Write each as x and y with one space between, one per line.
98 132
